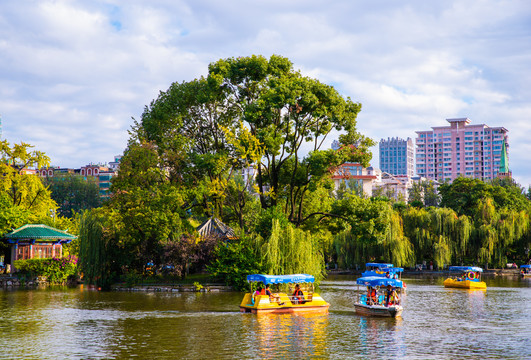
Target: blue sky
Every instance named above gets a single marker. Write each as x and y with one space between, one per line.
74 73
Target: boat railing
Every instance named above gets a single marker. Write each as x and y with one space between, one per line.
282 297
381 300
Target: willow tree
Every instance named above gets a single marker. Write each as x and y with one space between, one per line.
375 233
497 231
290 250
97 247
437 235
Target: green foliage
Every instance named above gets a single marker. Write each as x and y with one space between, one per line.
464 195
437 235
56 270
423 193
149 208
197 286
98 250
250 110
23 198
375 234
233 261
186 254
73 193
267 217
292 251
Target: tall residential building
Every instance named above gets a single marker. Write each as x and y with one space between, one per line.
396 156
461 149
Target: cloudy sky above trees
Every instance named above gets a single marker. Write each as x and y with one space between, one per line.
74 73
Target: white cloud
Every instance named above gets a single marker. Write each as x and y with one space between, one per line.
73 73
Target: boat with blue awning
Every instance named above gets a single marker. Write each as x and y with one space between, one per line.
300 295
382 297
525 270
375 269
469 278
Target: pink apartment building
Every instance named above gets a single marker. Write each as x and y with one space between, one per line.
461 149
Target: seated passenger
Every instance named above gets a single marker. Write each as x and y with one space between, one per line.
371 296
298 296
391 297
272 297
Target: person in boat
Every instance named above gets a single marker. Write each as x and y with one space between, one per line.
391 297
298 296
387 275
272 297
371 296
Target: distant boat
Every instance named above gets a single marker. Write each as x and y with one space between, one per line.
384 270
281 302
375 269
378 304
525 270
469 278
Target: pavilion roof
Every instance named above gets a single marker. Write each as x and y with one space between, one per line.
215 227
38 232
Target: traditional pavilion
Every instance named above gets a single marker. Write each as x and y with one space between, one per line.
35 241
214 227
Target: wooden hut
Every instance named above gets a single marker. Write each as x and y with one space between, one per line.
35 241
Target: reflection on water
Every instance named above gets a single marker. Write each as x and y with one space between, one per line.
437 323
299 335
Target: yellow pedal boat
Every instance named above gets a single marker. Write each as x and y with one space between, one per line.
470 278
280 302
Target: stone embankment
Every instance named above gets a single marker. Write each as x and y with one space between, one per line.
12 281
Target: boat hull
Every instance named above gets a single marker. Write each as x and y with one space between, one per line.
464 284
378 310
262 304
285 309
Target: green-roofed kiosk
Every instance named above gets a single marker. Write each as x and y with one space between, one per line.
35 241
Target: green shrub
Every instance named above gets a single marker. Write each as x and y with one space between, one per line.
233 262
56 270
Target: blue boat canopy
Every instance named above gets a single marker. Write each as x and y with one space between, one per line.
281 279
378 281
465 268
392 269
380 265
525 266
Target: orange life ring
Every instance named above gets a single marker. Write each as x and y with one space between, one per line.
471 275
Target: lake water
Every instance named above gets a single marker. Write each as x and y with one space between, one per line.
437 323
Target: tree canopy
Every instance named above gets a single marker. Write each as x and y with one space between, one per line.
251 111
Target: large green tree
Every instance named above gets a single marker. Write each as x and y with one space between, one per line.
149 208
23 197
73 193
291 115
252 110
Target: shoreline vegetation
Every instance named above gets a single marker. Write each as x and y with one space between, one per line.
246 146
203 283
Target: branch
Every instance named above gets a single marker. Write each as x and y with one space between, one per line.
324 215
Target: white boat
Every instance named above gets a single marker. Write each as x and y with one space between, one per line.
376 302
